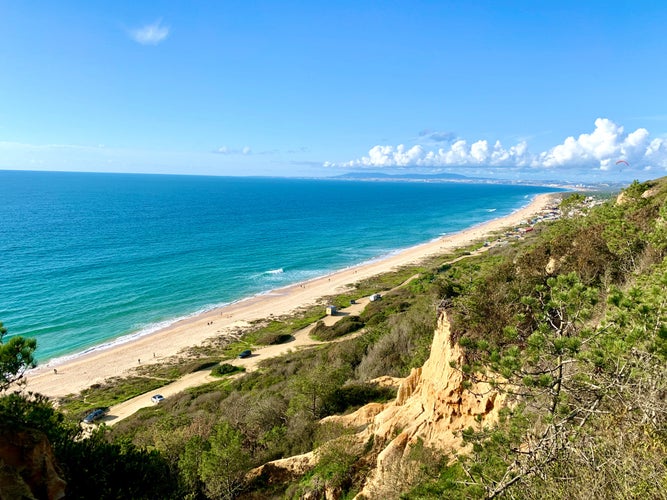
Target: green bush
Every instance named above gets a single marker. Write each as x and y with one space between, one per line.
273 338
358 394
226 369
346 325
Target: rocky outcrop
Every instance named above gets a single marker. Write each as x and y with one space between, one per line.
430 410
28 468
284 470
623 198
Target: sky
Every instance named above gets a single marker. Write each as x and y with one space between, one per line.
554 90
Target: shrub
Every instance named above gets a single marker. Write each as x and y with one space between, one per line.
346 325
226 369
273 338
357 394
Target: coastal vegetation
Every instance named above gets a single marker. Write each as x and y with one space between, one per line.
568 323
225 369
16 356
346 325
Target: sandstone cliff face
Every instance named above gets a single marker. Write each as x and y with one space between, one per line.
28 468
431 406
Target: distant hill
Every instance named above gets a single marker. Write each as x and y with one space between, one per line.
449 177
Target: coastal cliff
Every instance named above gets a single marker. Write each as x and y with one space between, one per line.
28 467
431 408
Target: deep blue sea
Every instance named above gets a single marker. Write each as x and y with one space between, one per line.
88 258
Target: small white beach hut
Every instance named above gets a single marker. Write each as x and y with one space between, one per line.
331 310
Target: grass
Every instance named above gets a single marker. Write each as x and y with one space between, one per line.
386 281
110 393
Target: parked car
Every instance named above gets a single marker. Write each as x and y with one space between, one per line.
245 354
157 398
95 415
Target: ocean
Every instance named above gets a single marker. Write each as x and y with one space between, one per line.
88 259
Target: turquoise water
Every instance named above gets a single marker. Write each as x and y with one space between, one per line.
88 258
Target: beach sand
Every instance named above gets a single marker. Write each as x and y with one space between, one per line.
120 360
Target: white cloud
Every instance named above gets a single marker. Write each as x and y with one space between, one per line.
458 154
605 142
599 150
151 34
225 150
604 149
480 151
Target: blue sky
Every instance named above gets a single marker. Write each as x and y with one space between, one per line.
510 89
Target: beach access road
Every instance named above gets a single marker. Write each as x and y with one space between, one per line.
301 339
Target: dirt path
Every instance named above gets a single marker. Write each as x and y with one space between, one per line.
301 339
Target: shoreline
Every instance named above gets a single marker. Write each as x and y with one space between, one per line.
119 357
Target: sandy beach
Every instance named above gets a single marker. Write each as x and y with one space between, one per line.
83 371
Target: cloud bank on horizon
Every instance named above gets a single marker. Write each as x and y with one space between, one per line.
601 150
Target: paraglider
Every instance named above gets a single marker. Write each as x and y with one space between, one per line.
623 161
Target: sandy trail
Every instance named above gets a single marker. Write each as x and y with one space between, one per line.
300 340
